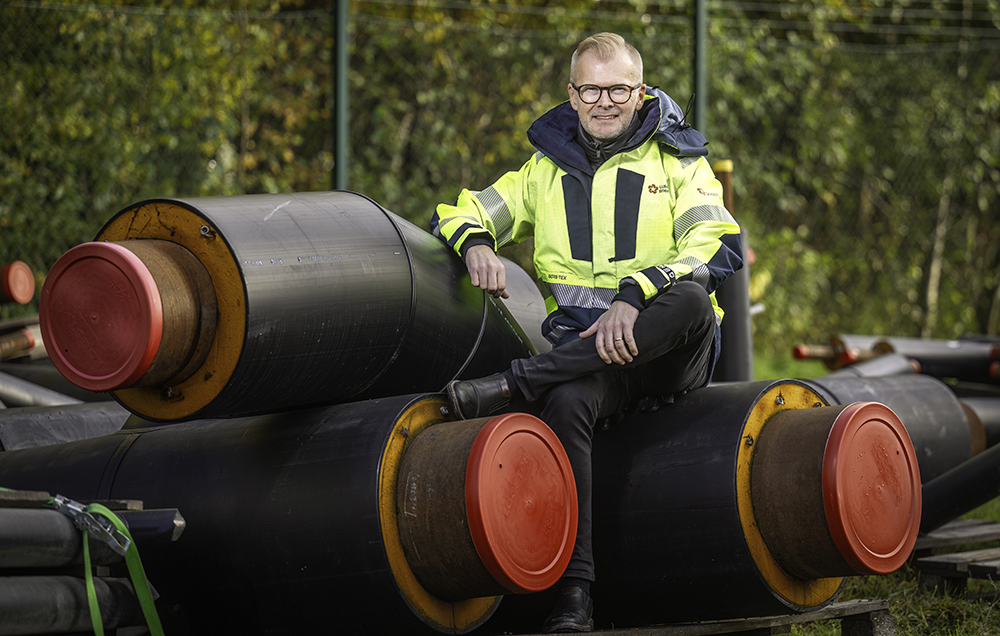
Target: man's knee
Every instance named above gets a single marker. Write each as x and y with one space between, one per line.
694 296
686 305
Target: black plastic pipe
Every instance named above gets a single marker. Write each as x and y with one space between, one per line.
58 604
966 360
933 417
961 489
44 425
987 410
16 392
44 374
291 517
679 523
226 306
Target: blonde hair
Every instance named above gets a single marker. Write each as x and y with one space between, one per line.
606 46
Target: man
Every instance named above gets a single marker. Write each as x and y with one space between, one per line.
631 241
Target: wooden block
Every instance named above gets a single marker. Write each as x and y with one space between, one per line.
24 499
878 623
985 569
860 609
959 532
957 563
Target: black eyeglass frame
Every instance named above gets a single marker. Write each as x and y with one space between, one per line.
601 89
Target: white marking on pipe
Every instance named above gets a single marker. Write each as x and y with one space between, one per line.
268 217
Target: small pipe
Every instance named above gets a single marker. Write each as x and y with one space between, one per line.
17 392
58 604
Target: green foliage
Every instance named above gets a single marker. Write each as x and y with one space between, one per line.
865 135
104 106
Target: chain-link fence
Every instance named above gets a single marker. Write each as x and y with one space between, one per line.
865 139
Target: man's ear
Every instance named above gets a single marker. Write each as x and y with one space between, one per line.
572 97
642 97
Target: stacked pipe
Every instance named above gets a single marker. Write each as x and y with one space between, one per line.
42 589
381 512
969 359
224 306
945 394
273 350
39 405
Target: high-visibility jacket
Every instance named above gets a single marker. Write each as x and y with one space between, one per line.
650 216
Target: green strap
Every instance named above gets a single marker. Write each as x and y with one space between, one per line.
135 570
95 609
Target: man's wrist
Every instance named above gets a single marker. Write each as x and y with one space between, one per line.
472 242
631 294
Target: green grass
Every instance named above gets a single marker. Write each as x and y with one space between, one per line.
920 612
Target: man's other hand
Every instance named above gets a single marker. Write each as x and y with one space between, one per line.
487 270
615 342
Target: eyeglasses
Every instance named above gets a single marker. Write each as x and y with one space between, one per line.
591 94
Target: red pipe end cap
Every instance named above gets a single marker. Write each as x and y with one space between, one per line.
18 283
101 316
871 488
520 497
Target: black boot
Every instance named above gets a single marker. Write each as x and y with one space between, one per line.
572 613
478 398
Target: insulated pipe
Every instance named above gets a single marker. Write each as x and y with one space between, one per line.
227 306
42 538
44 374
17 392
735 362
941 432
840 350
16 342
30 426
878 366
58 604
961 489
741 500
987 411
967 360
45 538
293 518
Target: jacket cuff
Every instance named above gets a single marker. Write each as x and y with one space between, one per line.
473 242
632 294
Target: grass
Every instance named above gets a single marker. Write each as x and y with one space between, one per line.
916 611
920 612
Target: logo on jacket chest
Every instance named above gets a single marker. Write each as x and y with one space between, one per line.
655 189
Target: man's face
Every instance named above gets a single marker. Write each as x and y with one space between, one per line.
606 120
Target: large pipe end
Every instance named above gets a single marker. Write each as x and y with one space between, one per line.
487 507
871 488
135 313
837 490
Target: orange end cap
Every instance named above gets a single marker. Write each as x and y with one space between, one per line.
800 352
848 356
18 282
101 316
871 488
520 496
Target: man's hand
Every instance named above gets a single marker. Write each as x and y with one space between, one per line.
487 270
614 341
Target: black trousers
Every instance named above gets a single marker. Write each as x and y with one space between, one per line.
576 388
